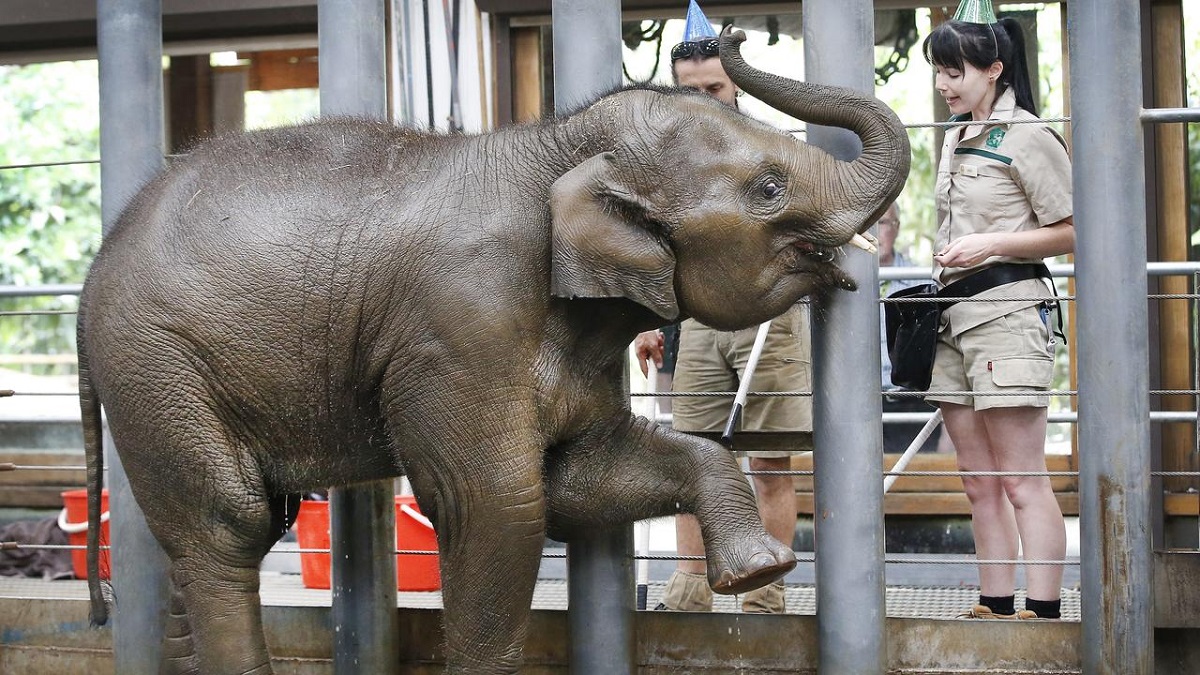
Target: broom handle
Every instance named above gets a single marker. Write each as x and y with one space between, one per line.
739 401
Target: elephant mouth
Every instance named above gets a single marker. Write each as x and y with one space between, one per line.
821 254
829 253
818 261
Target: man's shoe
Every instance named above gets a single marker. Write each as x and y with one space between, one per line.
769 599
687 592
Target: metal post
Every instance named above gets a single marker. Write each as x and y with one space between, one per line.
600 602
1116 565
400 44
352 55
847 406
129 41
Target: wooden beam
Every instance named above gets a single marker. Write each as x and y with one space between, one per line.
39 488
1181 504
282 69
527 74
1170 183
189 98
932 504
937 462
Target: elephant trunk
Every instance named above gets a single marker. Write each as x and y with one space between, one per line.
873 180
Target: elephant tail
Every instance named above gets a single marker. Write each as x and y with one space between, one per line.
93 448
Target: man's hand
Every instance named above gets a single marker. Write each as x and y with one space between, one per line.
649 345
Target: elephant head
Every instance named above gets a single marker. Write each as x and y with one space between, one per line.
697 210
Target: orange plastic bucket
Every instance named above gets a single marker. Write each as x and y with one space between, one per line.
414 572
73 520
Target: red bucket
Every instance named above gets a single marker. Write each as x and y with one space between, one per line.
73 520
414 572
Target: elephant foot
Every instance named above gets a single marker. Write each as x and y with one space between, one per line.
752 563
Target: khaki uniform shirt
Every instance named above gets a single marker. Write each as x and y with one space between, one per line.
1004 178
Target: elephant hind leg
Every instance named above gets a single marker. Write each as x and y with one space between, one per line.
179 651
216 578
215 522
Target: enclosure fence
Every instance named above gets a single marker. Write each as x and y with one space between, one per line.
1113 421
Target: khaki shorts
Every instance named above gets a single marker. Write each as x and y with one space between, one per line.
1012 353
712 360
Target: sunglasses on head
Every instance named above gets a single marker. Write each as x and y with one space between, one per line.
706 47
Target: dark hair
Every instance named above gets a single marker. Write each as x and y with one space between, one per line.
955 42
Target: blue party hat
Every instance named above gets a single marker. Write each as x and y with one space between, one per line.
697 28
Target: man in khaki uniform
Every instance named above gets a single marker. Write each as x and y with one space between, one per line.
712 360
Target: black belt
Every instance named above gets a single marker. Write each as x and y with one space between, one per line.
986 279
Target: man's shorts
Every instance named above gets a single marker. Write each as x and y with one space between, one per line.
712 360
1012 353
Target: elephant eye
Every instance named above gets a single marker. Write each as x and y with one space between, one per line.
772 189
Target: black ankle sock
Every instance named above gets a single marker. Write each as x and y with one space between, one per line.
1045 609
999 604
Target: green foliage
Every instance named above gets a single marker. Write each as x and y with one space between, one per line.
49 216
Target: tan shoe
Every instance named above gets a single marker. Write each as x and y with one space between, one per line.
769 599
984 612
687 592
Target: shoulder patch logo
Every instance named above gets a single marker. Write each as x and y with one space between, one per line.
995 137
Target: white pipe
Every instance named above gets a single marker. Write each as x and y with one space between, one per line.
739 400
922 436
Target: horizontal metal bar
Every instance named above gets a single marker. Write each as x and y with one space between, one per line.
1059 270
40 312
1154 269
558 554
36 165
35 290
1164 115
1060 417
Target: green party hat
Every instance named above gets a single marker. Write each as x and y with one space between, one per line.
975 11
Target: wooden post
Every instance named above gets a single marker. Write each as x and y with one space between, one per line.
527 74
1171 237
190 100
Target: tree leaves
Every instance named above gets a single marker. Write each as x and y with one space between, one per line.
49 215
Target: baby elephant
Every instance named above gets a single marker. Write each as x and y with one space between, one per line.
346 301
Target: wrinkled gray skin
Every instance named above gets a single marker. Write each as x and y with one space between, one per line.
347 301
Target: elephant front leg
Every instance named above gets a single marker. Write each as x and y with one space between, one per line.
631 469
490 521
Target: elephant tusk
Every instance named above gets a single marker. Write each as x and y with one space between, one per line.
866 243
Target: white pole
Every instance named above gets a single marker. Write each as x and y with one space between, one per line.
739 401
642 532
922 436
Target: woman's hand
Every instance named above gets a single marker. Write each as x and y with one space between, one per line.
968 250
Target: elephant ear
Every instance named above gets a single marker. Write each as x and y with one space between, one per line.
604 240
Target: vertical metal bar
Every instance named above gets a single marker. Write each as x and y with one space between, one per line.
1114 402
352 55
600 592
601 603
400 77
129 41
1195 305
847 406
